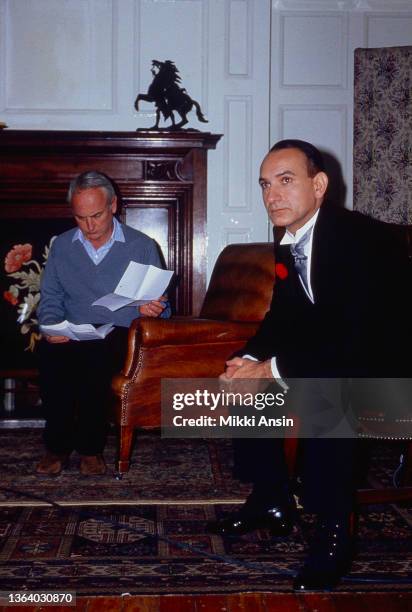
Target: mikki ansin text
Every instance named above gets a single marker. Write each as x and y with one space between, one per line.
232 421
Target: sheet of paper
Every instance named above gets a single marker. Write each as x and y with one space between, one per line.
112 301
85 331
139 284
132 279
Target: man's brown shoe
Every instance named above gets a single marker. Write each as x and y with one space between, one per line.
52 464
92 465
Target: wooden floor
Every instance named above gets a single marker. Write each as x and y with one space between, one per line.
247 602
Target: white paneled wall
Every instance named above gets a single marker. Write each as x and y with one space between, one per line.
58 60
260 70
178 31
239 71
312 67
388 29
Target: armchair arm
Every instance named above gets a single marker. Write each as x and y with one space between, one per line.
187 330
183 331
181 347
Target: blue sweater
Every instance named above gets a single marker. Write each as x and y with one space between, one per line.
71 282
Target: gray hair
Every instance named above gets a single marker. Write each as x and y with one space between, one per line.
91 180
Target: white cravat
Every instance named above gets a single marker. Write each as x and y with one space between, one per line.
290 238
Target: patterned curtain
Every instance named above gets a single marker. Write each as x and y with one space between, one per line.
382 161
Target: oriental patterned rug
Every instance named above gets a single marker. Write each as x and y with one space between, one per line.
162 471
159 549
146 534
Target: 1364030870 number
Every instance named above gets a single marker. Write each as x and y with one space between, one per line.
44 598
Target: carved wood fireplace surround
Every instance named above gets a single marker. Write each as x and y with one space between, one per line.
161 178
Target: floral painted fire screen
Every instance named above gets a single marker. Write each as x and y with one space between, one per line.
23 252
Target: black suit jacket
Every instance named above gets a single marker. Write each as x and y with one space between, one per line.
361 284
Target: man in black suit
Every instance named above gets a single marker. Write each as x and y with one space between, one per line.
337 311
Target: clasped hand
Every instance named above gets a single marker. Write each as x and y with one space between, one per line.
243 369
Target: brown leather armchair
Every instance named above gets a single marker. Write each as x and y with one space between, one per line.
237 299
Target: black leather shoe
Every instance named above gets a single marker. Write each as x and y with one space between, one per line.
278 520
329 558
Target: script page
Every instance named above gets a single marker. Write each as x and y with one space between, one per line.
85 331
133 277
139 284
154 283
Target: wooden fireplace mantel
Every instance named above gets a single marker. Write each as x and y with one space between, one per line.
161 177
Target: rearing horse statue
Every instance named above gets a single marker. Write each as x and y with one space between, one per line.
167 96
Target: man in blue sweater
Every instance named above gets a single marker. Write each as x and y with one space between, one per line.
84 264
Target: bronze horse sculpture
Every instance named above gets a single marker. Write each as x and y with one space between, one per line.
167 96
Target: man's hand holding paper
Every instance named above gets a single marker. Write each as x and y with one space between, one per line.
153 308
140 284
56 339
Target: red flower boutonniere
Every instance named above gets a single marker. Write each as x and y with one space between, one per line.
281 271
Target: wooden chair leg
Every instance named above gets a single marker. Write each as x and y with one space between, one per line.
291 452
125 450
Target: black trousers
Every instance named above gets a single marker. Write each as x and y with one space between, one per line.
75 390
326 468
326 463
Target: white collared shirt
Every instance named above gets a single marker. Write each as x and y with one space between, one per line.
97 255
